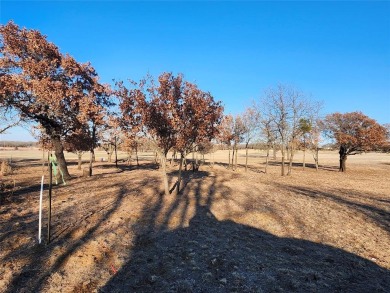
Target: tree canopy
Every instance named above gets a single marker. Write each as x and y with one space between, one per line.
46 86
174 114
354 133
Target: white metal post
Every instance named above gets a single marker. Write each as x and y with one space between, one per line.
40 211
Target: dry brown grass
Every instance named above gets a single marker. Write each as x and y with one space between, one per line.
226 231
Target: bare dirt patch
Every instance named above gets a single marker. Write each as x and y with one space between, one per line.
228 231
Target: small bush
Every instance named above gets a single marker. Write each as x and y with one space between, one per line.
6 168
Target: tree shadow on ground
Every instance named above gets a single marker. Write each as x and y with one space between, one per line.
37 269
307 165
29 276
377 209
141 166
209 255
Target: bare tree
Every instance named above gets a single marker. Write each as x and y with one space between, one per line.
269 133
276 104
111 137
314 139
305 127
226 133
300 107
250 121
239 131
283 107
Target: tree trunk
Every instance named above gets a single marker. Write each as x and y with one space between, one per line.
163 160
343 159
48 160
234 152
79 156
91 159
235 159
155 159
282 150
266 160
229 160
288 152
136 155
304 153
116 154
92 150
179 178
274 150
173 155
196 159
290 161
43 160
246 157
109 155
59 152
316 158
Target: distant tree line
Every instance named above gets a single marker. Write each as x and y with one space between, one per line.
18 144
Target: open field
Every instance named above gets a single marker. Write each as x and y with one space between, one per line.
228 231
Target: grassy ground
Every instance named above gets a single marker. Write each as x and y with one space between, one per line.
227 231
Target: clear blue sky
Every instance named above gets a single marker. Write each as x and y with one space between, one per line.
339 52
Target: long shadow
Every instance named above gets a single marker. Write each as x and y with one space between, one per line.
28 278
36 271
18 194
380 216
143 166
209 255
307 165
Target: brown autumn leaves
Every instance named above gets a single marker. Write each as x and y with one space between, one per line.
175 114
72 107
70 104
49 88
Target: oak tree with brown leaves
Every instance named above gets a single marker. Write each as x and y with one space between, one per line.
198 119
173 114
47 87
79 143
153 110
111 137
354 133
131 145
